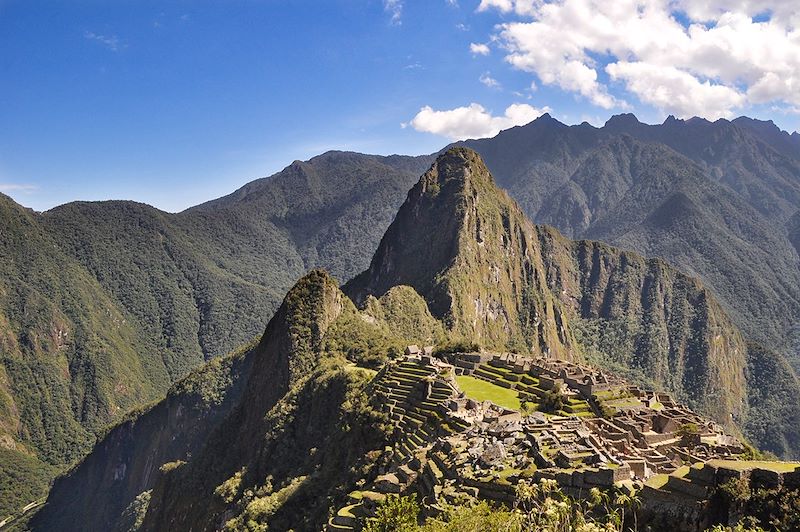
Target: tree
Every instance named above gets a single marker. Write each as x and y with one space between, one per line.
395 514
552 401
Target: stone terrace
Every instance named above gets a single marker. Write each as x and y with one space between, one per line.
415 392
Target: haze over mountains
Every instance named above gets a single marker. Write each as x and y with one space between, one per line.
104 305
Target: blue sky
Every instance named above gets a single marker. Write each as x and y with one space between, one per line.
175 103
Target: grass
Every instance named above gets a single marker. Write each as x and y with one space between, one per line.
625 402
657 481
481 390
681 471
742 465
353 368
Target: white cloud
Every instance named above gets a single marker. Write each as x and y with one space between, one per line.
489 81
520 7
677 90
395 10
714 49
17 187
710 10
472 121
111 42
479 48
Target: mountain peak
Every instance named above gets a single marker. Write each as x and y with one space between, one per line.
622 120
457 164
466 247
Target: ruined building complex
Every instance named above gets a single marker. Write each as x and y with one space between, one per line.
574 424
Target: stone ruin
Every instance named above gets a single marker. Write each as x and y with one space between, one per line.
609 434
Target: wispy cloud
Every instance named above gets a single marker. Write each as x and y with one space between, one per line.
18 187
395 10
479 48
489 81
112 42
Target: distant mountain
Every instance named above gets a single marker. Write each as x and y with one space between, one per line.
72 358
767 131
279 432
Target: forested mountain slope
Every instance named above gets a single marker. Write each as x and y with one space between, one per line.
494 277
249 425
718 200
105 304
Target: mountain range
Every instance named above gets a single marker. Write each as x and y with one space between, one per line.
237 441
104 305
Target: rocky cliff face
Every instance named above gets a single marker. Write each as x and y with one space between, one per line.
647 319
495 277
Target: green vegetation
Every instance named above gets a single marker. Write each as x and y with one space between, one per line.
773 509
365 344
24 479
406 314
742 465
539 507
103 305
703 218
290 416
446 244
210 382
620 309
552 401
481 390
395 514
293 446
739 527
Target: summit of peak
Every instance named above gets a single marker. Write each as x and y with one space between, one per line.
624 119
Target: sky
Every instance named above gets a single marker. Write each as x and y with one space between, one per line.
175 103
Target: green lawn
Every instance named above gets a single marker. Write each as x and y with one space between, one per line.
657 481
780 467
481 390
